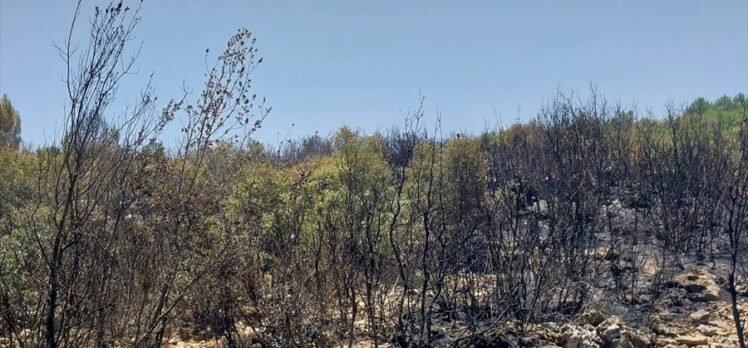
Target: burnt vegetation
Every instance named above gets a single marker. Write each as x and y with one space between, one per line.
111 238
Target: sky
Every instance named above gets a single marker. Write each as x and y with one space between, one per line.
365 63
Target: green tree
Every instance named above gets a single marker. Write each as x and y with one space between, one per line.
10 124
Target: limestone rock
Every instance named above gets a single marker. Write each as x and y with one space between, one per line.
592 317
711 293
707 330
638 339
700 317
719 345
692 340
699 283
610 329
573 336
664 330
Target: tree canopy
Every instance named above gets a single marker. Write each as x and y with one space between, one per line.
10 124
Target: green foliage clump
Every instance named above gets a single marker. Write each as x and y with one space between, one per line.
10 124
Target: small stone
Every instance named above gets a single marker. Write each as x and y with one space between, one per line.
664 330
638 339
719 345
610 332
575 337
710 294
592 317
707 330
692 340
622 342
700 317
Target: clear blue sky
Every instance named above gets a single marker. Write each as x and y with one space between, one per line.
328 63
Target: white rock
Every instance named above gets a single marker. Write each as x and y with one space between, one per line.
692 340
707 330
700 317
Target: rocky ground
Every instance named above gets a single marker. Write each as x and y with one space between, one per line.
693 311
